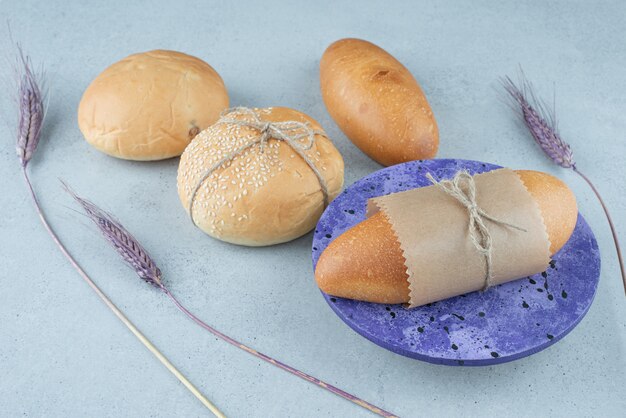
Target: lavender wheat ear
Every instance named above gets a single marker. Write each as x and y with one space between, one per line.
31 116
32 109
134 254
541 122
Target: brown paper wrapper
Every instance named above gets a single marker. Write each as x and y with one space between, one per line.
432 229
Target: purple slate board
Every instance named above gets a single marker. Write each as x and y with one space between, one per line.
505 323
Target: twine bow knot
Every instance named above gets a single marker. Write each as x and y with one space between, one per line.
282 131
463 188
290 132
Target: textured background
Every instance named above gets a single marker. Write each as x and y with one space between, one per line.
63 354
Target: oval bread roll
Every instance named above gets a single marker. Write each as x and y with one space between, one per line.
377 103
366 262
150 105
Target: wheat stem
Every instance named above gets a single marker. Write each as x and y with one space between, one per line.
358 401
611 225
142 338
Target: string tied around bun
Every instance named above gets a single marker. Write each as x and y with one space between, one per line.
290 132
463 188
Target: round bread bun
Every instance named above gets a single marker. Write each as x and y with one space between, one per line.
260 197
150 105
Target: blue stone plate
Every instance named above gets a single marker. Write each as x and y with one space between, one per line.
505 323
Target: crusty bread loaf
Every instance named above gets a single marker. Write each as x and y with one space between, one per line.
366 262
150 105
377 103
260 197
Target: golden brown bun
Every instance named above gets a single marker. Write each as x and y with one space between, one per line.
366 262
377 103
557 204
149 106
258 199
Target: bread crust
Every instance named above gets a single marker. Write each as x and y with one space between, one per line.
150 105
377 103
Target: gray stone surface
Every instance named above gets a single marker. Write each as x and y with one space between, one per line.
63 354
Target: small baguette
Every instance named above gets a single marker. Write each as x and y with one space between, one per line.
377 103
366 262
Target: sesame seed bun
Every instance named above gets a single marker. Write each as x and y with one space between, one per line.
150 105
257 198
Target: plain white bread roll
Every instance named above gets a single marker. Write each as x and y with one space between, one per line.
150 105
257 198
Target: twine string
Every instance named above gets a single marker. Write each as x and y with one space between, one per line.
290 132
463 188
